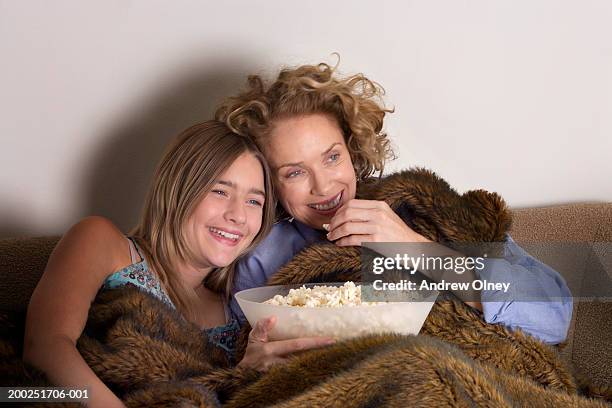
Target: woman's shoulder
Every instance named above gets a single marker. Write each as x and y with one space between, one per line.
284 237
282 243
275 243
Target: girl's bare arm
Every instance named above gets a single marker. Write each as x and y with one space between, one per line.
89 252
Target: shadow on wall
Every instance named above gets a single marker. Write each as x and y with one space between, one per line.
116 181
119 175
11 229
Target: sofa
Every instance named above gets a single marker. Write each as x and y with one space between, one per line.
588 348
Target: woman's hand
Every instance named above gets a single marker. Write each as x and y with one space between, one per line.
261 354
369 221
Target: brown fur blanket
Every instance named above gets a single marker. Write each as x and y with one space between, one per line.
150 356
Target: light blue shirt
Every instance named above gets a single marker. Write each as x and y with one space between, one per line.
546 317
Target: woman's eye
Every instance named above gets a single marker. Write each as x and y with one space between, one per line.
294 173
333 157
219 192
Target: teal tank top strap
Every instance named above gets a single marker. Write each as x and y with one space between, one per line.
134 250
138 274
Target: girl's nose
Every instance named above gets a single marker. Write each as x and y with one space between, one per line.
235 212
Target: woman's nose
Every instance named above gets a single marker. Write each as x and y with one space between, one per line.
321 184
235 211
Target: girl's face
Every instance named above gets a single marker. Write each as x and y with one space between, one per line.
312 168
227 219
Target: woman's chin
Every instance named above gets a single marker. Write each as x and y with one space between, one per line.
315 219
316 222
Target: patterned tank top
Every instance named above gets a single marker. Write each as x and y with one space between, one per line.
139 274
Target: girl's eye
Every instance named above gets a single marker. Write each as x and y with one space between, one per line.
219 192
255 202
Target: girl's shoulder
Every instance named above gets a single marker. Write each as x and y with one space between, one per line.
87 253
95 227
129 267
98 237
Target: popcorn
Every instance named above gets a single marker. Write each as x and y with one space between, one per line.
321 296
334 311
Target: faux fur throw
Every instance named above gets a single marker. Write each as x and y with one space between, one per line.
149 356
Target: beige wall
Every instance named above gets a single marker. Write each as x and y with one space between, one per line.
514 97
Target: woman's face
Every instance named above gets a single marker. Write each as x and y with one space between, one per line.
227 219
312 168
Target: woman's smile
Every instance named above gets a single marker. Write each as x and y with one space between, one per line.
314 174
330 206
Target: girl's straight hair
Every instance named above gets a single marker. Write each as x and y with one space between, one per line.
189 169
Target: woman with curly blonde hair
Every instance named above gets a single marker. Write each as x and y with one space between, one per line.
354 102
322 135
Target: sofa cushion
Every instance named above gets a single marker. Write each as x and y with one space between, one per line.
22 262
589 343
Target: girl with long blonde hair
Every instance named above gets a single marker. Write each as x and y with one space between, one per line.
210 201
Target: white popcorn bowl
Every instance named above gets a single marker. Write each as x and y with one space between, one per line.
339 322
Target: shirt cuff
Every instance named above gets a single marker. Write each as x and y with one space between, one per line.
536 301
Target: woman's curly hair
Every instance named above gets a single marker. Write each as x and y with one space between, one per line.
355 102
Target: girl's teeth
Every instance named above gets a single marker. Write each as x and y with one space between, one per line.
224 234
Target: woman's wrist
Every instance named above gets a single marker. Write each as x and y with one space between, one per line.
413 236
422 239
